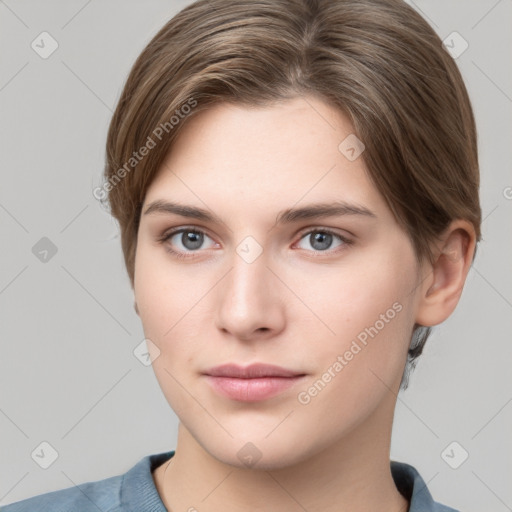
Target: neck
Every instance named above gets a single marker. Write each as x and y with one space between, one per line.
353 473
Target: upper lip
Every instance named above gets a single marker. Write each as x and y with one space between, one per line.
253 371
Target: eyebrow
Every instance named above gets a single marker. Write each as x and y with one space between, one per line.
286 216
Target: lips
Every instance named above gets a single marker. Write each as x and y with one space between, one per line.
252 383
250 372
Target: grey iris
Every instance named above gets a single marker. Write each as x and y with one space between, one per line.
192 240
320 241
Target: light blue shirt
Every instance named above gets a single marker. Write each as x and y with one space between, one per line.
135 491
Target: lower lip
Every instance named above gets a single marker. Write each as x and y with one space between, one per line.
251 390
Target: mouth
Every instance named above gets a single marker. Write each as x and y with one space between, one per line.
252 383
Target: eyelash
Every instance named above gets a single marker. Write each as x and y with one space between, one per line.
168 235
191 254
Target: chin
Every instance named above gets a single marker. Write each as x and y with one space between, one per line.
252 458
258 450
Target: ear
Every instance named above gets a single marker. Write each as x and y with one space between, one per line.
445 277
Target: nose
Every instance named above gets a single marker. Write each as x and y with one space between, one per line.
249 301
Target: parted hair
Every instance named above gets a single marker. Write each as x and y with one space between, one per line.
377 61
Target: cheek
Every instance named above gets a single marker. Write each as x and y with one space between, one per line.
176 314
353 298
165 300
163 294
369 311
355 368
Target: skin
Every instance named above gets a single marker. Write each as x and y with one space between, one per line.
294 306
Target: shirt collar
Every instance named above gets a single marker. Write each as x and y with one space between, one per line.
410 484
138 490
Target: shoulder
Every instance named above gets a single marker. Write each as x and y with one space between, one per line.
90 496
410 483
125 492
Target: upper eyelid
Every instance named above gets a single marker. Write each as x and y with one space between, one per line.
324 229
174 231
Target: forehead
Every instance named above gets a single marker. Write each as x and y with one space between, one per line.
232 157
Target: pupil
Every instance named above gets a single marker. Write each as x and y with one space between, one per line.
321 241
192 240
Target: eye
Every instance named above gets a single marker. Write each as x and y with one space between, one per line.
321 240
188 240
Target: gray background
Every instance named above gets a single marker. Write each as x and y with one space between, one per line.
68 375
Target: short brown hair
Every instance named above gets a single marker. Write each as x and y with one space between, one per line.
378 61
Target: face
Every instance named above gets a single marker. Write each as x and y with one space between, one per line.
262 243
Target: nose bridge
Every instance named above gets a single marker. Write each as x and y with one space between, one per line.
248 280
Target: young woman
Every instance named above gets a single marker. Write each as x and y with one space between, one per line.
296 184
